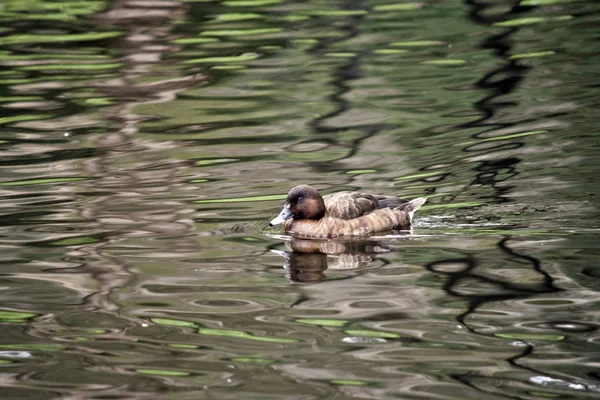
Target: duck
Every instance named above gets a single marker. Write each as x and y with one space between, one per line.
308 214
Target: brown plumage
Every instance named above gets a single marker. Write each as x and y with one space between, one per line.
306 213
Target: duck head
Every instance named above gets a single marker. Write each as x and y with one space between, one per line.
303 202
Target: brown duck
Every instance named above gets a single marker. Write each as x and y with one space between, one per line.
306 213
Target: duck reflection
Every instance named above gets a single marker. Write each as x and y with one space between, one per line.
306 260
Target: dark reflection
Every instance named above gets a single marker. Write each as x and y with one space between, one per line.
307 260
304 267
459 271
493 170
490 172
341 81
462 273
497 83
344 73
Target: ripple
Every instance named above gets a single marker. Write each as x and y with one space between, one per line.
145 143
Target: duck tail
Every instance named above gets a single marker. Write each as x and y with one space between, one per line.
413 206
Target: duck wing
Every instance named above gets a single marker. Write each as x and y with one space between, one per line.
392 202
349 205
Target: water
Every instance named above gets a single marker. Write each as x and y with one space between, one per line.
145 145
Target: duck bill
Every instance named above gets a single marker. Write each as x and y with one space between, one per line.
284 215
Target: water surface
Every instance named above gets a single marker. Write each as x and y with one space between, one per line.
145 145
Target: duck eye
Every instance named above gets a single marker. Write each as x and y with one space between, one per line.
300 199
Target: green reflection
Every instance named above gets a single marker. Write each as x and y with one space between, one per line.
76 37
341 55
70 67
369 333
98 101
533 54
172 322
48 17
43 181
96 331
348 382
161 372
338 13
294 18
195 40
361 171
505 137
15 99
398 7
33 346
532 336
238 17
15 316
21 118
228 67
446 62
241 58
418 43
305 41
183 346
46 57
241 32
74 241
390 51
271 47
69 7
532 20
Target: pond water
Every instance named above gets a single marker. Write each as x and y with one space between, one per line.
145 145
